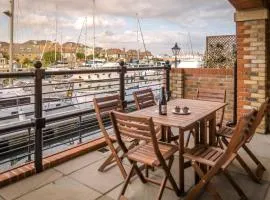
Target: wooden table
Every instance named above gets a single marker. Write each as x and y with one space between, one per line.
201 111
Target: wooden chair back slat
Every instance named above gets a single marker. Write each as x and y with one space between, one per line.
103 106
107 98
211 95
141 128
242 131
215 96
134 127
144 98
261 113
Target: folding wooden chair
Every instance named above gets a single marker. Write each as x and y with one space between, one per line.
149 152
210 95
103 107
144 98
218 159
226 133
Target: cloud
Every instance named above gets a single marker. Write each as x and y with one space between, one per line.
103 21
163 22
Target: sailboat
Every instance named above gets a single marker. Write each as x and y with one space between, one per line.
189 59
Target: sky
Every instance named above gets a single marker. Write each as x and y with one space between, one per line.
163 22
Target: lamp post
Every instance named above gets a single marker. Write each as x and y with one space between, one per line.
176 51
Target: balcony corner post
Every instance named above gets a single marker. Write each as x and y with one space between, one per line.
123 71
168 71
39 121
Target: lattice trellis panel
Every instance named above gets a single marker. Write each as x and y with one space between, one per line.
220 51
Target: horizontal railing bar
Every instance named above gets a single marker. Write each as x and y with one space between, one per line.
30 123
16 74
78 89
14 149
63 143
74 132
17 87
148 75
86 95
144 68
83 81
59 134
84 71
75 139
143 81
10 146
146 86
17 158
10 97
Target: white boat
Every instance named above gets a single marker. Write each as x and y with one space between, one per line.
190 63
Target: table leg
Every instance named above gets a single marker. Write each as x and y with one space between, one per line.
196 142
203 132
212 129
203 140
163 133
169 135
181 162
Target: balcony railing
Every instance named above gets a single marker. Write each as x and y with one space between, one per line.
55 111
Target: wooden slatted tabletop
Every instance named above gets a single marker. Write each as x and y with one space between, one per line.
201 111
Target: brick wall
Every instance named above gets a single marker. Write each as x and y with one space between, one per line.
184 84
252 45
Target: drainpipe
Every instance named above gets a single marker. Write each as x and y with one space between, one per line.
235 77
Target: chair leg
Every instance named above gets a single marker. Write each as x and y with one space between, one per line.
117 160
164 181
139 172
107 162
219 143
171 137
167 170
146 171
110 159
260 168
188 138
162 187
244 165
235 185
124 188
195 192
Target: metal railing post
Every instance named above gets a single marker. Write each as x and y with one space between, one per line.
80 131
39 121
168 88
122 73
29 145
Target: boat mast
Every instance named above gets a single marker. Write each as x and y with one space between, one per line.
85 42
94 30
190 42
43 51
56 32
61 48
10 14
138 44
77 44
143 40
